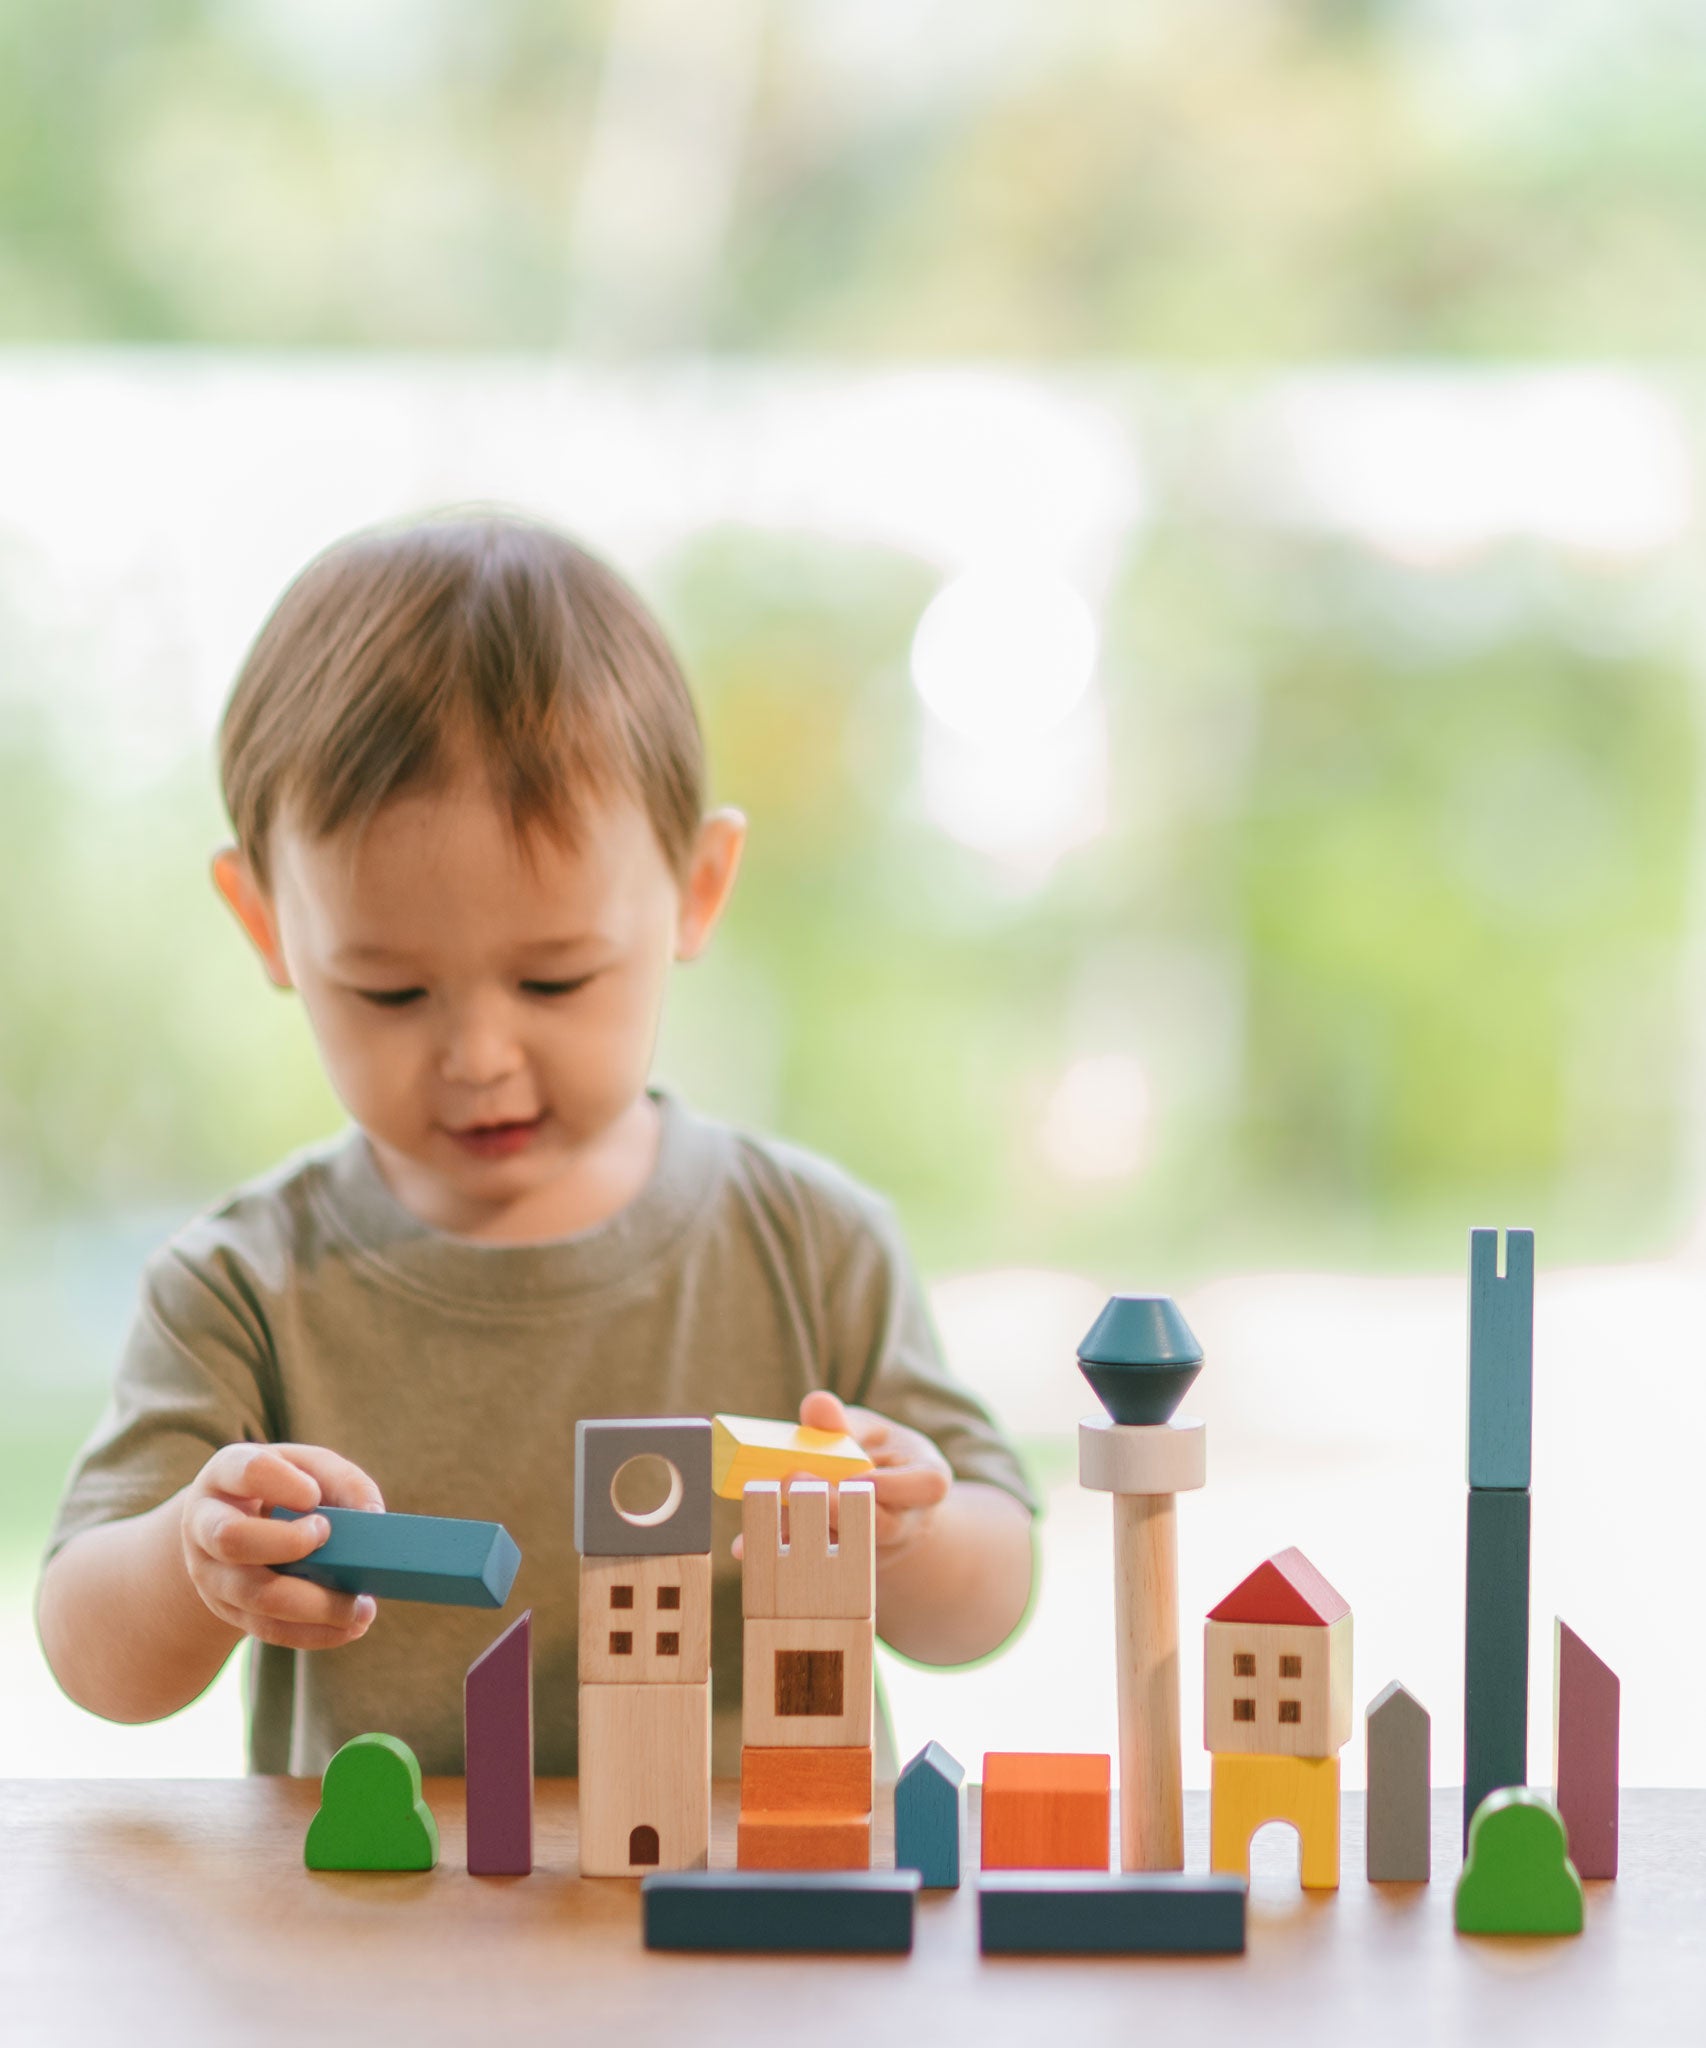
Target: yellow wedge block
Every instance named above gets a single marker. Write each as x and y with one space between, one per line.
745 1447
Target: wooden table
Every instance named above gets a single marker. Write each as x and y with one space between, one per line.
148 1912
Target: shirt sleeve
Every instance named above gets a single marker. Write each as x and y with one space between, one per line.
886 1355
197 1372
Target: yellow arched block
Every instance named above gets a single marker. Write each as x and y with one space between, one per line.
1250 1791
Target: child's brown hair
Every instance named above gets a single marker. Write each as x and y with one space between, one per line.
398 651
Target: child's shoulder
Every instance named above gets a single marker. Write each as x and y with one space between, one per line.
803 1192
263 1229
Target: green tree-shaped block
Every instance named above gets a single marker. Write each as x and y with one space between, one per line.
1518 1877
372 1815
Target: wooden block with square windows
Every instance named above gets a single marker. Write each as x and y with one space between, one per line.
807 1684
1276 1689
645 1620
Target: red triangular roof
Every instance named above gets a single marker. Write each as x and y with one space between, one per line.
1287 1588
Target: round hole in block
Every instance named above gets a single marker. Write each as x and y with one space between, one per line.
646 1491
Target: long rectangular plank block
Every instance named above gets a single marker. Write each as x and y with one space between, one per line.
755 1912
1495 1647
436 1558
1501 1359
1143 1913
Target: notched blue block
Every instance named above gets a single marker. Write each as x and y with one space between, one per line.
410 1557
778 1912
1092 1913
927 1817
1501 1359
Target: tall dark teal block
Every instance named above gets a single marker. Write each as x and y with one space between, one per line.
410 1557
780 1912
1495 1646
927 1817
1095 1913
1501 1359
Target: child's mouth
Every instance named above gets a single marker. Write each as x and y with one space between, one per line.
498 1141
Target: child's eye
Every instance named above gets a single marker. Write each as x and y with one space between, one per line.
556 988
390 998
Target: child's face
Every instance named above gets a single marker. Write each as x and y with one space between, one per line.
485 1017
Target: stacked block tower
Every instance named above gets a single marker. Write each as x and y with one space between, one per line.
1501 1403
645 1651
809 1647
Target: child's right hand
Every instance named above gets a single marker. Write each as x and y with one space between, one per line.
231 1542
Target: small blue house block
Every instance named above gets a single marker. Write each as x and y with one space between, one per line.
1501 1359
410 1557
927 1817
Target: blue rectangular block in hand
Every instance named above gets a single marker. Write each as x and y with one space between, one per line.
410 1557
1501 1358
781 1912
1092 1913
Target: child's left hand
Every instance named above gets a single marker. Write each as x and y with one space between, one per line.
911 1480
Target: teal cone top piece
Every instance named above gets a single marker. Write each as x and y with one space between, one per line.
1140 1357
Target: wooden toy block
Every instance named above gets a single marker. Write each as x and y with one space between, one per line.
1399 1737
1501 1359
645 1620
1045 1812
645 1778
1162 1457
680 1524
1246 1792
1495 1647
747 1912
746 1447
807 1684
372 1815
1285 1589
409 1557
1057 1913
1586 1702
1517 1876
822 1781
804 1841
927 1817
1274 1689
497 1722
1140 1357
1146 1670
808 1575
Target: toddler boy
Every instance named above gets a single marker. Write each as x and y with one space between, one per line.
465 779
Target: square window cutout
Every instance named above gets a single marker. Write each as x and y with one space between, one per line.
1243 1664
1291 1667
1291 1710
1243 1710
621 1643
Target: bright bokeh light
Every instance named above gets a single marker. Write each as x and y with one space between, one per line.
1025 803
1096 1123
1004 652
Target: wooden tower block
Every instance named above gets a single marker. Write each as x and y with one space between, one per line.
1501 1360
497 1710
1277 1688
1249 1791
1399 1776
645 1619
1585 1709
1045 1812
1495 1647
808 1576
645 1778
807 1684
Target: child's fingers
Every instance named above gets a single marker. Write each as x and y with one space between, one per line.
228 1535
823 1410
912 1486
298 1603
342 1483
259 1472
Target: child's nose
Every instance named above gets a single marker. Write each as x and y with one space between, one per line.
481 1047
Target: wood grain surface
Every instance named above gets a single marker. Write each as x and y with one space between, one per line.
160 1912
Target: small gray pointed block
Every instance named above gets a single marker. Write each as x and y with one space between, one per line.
1399 1806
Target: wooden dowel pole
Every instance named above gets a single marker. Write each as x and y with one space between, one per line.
1146 1640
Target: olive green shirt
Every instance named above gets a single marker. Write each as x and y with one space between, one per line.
312 1307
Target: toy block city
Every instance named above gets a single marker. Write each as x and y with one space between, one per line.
1075 1853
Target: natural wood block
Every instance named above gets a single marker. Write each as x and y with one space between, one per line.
1247 1792
808 1575
1586 1703
804 1841
1273 1689
1045 1812
1158 1457
747 1447
645 1778
807 1684
645 1620
825 1781
1146 1657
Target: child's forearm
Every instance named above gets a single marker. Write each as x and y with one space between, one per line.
123 1628
963 1588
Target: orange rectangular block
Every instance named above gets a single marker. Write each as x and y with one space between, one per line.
824 1781
1044 1812
804 1841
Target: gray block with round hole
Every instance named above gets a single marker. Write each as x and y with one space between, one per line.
603 1448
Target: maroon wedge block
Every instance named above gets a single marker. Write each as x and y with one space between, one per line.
497 1703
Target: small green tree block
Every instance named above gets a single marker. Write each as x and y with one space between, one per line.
1518 1877
372 1815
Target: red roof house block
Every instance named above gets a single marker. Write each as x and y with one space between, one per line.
1287 1588
1277 1665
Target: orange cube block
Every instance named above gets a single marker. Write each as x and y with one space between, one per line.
805 1780
804 1841
1043 1812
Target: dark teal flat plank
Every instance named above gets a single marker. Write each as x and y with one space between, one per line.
1089 1913
410 1557
775 1912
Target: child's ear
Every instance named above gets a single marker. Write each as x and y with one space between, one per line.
710 881
235 880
